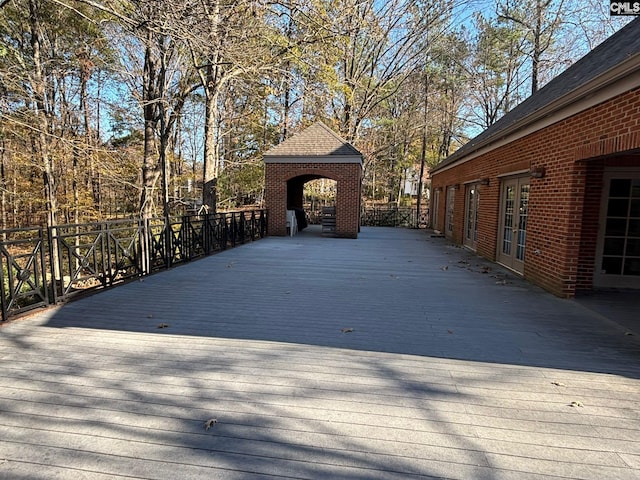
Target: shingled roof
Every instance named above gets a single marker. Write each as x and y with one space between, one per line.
318 140
594 68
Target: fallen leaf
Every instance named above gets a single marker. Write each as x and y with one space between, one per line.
446 267
449 331
163 325
576 404
346 330
559 384
628 333
149 316
210 423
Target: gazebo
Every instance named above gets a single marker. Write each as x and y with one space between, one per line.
316 152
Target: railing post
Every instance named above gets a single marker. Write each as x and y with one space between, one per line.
223 220
206 234
242 227
234 229
55 261
144 242
263 223
253 225
168 242
185 237
3 295
106 252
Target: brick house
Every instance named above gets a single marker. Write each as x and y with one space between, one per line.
552 189
316 152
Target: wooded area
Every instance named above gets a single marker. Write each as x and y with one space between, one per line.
116 108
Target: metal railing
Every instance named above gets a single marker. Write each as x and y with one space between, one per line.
394 217
382 217
23 280
40 269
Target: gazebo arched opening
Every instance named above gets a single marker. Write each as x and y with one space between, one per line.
308 196
318 194
315 153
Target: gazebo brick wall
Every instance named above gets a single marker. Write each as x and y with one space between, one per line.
349 188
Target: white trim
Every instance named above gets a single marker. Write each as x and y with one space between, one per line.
314 159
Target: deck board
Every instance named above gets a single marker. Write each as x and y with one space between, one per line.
449 372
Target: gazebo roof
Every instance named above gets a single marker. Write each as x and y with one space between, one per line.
317 142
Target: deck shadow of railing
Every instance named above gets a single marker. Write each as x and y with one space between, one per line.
41 267
163 399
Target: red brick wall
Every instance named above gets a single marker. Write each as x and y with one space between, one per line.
348 192
589 228
564 205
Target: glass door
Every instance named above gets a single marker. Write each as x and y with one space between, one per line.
513 223
472 202
451 197
618 255
433 210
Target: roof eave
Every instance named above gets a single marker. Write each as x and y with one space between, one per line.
313 159
620 79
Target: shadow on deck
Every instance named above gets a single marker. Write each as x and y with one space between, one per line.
454 369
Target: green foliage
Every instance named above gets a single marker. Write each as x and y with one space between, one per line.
240 185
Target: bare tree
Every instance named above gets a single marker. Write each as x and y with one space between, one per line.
380 46
541 20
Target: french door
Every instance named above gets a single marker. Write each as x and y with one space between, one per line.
472 202
513 223
449 212
618 254
433 210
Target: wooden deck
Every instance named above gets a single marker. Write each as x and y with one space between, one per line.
455 369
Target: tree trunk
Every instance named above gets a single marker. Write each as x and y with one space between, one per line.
537 49
149 168
3 184
211 160
40 141
423 149
93 182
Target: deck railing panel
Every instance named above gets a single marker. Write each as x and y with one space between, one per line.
23 277
47 266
